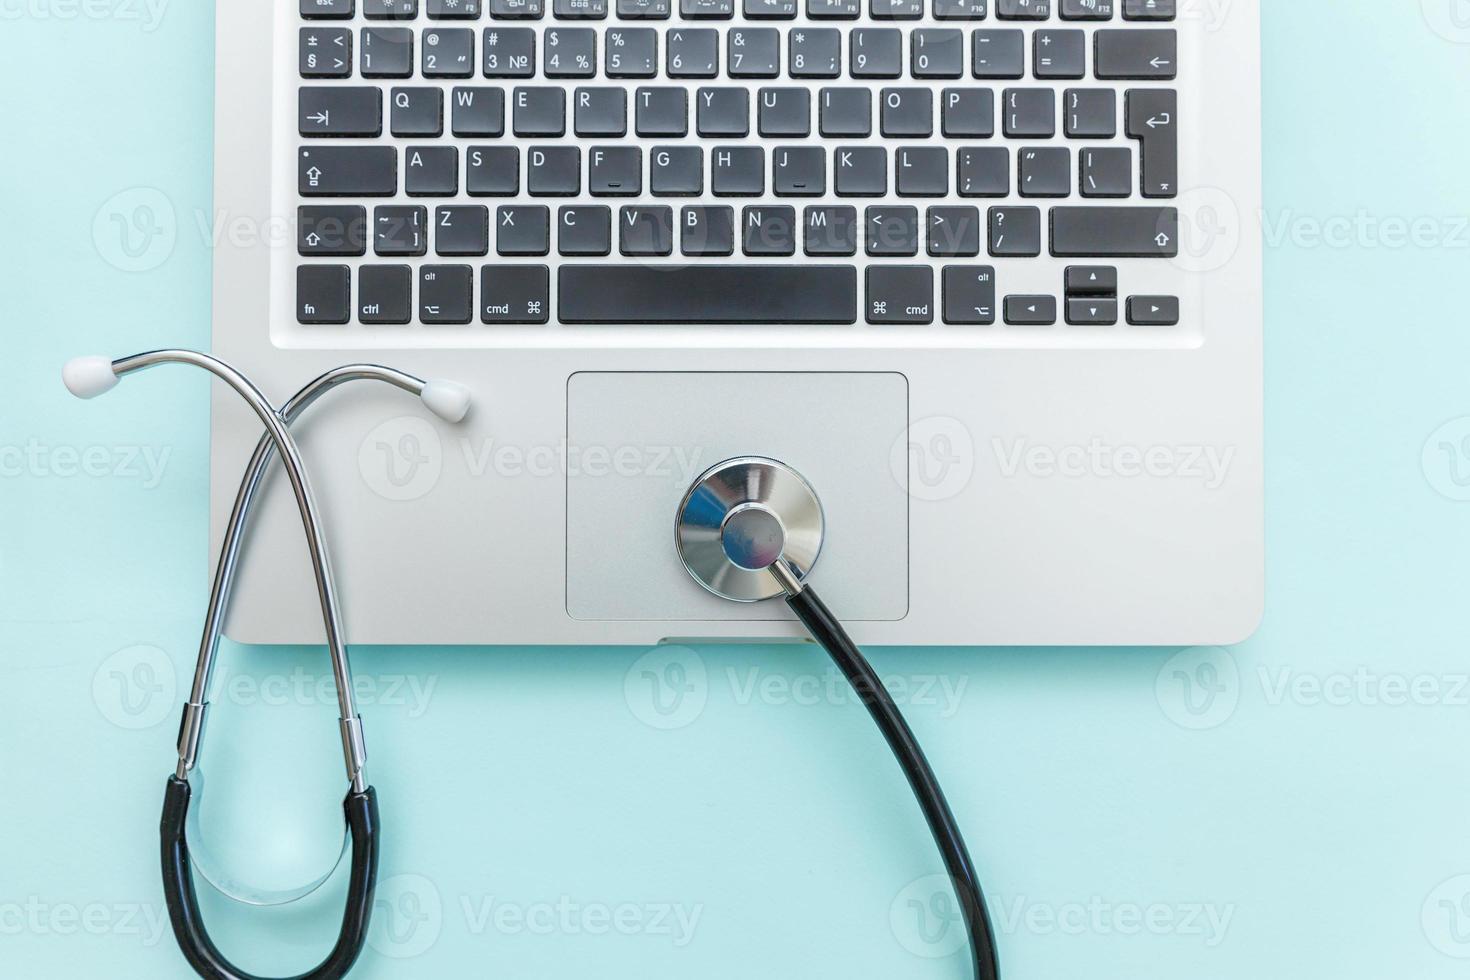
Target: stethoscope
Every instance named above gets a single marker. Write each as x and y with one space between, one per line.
88 377
749 529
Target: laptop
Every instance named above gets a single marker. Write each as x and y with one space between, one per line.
979 270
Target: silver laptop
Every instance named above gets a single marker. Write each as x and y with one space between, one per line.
980 270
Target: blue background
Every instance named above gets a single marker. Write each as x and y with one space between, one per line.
1125 826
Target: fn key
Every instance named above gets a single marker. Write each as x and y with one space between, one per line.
323 294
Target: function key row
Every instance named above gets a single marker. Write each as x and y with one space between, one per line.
884 231
1017 10
521 294
748 52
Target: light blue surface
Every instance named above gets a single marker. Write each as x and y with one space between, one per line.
537 825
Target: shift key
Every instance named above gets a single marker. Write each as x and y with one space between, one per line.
347 171
1115 233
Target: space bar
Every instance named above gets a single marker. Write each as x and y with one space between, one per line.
707 294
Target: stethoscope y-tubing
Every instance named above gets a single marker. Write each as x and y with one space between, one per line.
828 632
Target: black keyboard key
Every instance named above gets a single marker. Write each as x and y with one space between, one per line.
446 294
753 52
584 229
661 111
1030 113
1060 54
707 293
846 112
347 171
331 229
722 112
600 112
1115 232
815 52
937 53
1092 311
1107 172
900 294
961 9
967 113
693 52
676 171
570 52
387 52
1023 9
862 171
833 9
922 171
417 111
632 52
1090 113
579 9
431 171
999 54
400 230
892 231
478 112
493 171
645 230
510 52
615 171
770 9
323 294
1046 171
875 52
984 171
1091 280
449 53
539 111
707 230
954 232
1015 232
1031 311
327 9
969 295
523 229
339 110
553 171
517 9
896 9
1088 9
384 294
1147 55
453 9
906 112
769 229
326 52
738 171
515 293
707 9
799 171
463 229
830 230
785 112
1149 9
1153 311
390 9
1153 118
644 9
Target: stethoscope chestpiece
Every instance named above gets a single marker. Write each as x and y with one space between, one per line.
742 516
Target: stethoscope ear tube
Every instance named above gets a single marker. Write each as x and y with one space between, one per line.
361 810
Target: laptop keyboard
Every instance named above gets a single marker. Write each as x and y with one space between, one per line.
884 162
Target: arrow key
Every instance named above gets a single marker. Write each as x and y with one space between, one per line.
1031 311
1153 311
1092 280
340 111
1092 311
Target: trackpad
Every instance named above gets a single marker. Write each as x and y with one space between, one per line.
636 441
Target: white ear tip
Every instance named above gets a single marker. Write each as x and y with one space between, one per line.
88 377
447 399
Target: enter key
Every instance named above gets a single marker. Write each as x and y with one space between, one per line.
1153 120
